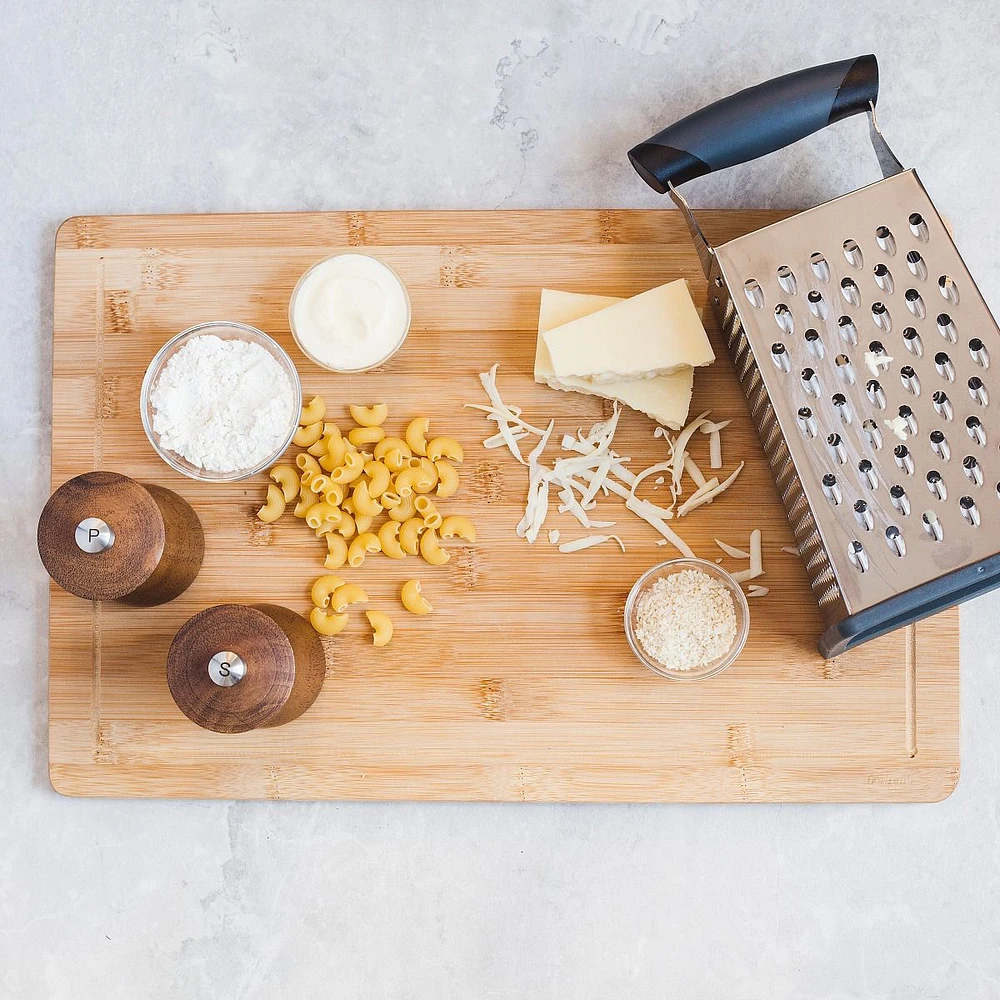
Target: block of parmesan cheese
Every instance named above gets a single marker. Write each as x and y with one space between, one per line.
665 398
654 333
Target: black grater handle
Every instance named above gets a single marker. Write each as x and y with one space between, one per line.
756 121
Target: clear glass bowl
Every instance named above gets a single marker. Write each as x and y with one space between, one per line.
334 368
664 569
225 330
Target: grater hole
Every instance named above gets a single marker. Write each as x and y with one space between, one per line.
944 366
972 469
842 407
859 558
885 240
916 264
836 445
866 472
883 278
754 293
909 418
786 278
942 405
783 317
946 327
932 525
831 489
969 510
976 430
718 281
849 289
912 342
978 391
876 394
819 266
780 357
807 422
813 343
903 458
863 515
899 499
935 483
915 303
810 382
948 288
817 304
848 330
910 380
881 316
894 539
918 226
873 433
844 368
977 349
853 253
939 444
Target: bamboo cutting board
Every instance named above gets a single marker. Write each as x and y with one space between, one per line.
521 685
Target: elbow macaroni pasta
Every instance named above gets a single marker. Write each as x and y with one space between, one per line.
444 447
288 479
378 478
336 552
323 588
369 416
308 435
388 536
364 504
346 595
327 623
429 513
387 444
416 435
381 625
359 436
457 526
274 507
447 479
360 547
431 550
409 535
313 411
413 598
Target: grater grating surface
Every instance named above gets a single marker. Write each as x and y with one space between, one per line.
864 347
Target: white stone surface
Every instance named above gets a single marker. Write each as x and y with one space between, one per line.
196 106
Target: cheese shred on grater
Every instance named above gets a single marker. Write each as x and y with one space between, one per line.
863 347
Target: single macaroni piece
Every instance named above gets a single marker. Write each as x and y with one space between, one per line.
359 436
364 503
444 447
360 547
413 480
447 479
308 466
363 522
431 550
288 479
274 507
381 627
346 595
390 499
323 588
353 466
369 416
336 552
428 477
347 526
388 443
378 478
413 598
326 623
409 535
388 536
308 435
427 510
307 499
322 446
336 451
323 512
395 459
320 483
403 510
416 435
314 411
458 526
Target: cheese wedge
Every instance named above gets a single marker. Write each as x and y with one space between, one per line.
651 334
665 398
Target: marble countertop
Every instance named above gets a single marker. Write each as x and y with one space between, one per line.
236 105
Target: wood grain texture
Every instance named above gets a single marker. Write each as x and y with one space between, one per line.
520 686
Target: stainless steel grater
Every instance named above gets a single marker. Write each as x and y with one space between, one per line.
864 349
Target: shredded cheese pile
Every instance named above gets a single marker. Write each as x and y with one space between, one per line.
686 620
593 467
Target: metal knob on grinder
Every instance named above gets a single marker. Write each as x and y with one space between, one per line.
105 537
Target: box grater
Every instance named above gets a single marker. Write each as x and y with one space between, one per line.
864 349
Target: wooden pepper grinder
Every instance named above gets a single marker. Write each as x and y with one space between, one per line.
237 667
105 537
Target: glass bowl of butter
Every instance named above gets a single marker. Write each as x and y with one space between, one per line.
349 312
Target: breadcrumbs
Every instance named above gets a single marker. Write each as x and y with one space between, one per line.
686 620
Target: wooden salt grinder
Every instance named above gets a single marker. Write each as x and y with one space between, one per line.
237 667
105 537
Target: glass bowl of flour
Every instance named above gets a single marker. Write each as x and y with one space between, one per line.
220 401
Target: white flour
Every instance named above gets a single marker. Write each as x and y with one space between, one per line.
224 405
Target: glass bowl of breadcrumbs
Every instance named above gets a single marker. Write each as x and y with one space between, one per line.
687 619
